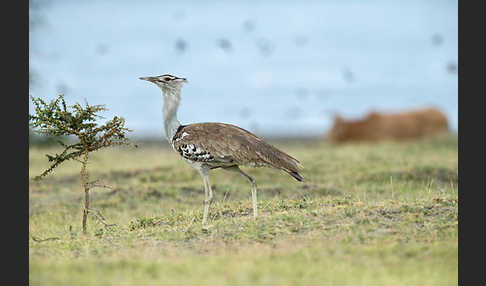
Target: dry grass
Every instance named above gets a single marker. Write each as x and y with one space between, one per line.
383 214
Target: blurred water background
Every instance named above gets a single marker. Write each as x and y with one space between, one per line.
276 68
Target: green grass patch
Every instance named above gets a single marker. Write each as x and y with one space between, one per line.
367 214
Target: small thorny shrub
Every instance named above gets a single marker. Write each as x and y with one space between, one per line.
57 119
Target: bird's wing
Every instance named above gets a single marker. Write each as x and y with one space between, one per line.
206 142
229 144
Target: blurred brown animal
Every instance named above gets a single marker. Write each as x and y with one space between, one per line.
398 126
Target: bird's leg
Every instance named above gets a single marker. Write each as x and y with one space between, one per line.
236 169
208 196
254 198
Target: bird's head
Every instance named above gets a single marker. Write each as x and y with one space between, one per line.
168 83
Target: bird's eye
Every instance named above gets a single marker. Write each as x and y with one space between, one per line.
166 79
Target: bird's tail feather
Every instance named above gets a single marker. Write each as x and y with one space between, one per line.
283 161
296 175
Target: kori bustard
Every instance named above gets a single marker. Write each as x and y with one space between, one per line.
206 146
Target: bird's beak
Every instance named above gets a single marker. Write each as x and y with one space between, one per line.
148 78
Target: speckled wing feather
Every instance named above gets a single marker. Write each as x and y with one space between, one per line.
220 144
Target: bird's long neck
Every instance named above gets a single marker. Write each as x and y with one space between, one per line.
169 112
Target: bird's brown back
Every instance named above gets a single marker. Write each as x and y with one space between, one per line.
227 143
